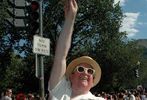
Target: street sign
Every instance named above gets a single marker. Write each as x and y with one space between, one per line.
41 45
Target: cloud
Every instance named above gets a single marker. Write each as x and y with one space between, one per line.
122 2
142 23
129 24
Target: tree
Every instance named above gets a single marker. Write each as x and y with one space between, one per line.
13 74
97 34
20 76
5 45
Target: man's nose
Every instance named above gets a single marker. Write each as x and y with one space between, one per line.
85 71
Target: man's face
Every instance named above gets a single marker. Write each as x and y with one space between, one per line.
82 77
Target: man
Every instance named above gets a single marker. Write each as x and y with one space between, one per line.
7 95
75 82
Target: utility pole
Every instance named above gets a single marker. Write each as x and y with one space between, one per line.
37 29
35 25
137 72
41 57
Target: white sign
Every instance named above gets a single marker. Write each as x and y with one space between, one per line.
41 45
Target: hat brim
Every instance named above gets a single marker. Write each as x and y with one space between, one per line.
87 60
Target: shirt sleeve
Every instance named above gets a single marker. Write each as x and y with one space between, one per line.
63 88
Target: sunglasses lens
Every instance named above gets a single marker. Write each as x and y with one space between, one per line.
80 69
90 71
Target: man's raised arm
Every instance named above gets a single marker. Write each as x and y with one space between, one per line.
63 43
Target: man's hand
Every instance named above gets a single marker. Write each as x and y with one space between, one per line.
70 9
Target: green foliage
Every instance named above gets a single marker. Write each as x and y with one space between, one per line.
13 74
3 6
20 76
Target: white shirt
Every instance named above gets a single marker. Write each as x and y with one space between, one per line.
6 98
132 97
63 92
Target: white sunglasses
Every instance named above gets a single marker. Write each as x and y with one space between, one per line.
81 69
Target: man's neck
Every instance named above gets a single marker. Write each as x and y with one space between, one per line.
76 93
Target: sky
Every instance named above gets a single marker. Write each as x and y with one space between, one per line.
135 22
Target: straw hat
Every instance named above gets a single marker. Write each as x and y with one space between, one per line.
88 60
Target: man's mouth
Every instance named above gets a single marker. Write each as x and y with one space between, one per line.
83 78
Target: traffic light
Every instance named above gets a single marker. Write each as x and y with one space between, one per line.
16 13
136 73
32 14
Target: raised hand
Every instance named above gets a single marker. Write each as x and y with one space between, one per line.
70 9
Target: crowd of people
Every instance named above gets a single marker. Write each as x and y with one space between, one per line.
133 94
8 95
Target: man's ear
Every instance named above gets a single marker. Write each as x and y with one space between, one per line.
70 76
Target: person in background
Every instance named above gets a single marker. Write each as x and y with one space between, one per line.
21 96
131 95
30 96
7 94
83 73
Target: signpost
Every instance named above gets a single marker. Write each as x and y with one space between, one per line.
41 45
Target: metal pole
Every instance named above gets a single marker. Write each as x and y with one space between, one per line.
41 57
41 21
41 77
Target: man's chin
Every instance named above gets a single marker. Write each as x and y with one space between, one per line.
84 84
